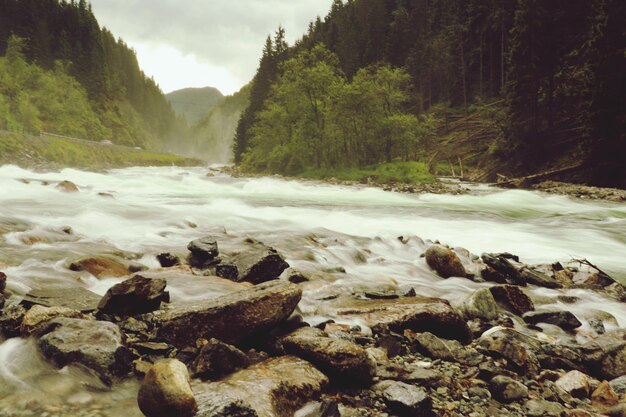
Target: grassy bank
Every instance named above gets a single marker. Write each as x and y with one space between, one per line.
393 172
47 151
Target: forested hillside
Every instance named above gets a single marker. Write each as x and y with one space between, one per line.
75 78
515 86
194 103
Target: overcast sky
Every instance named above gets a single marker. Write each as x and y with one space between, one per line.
196 43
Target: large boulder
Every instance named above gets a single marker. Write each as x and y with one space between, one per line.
204 252
512 298
136 295
106 266
97 345
38 317
280 387
230 318
444 261
420 314
217 359
256 264
345 362
75 298
165 391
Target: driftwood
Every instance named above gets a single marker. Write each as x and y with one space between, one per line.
520 181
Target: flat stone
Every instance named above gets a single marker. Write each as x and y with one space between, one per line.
345 362
444 261
230 318
563 319
280 387
404 399
165 391
97 345
105 266
38 317
420 314
537 278
136 295
75 298
512 298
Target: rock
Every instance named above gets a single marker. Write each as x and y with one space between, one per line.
444 261
75 298
512 298
217 359
618 410
575 383
345 362
564 319
537 278
3 281
481 304
102 266
38 316
228 271
167 260
67 186
420 314
500 263
229 318
542 408
136 295
257 264
506 390
404 399
280 387
295 276
604 395
165 391
97 345
204 252
11 318
430 345
153 348
619 385
613 363
515 347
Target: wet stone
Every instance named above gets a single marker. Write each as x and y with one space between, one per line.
11 318
256 264
563 319
106 266
204 252
38 316
217 359
444 261
481 304
165 391
167 260
136 295
76 298
512 298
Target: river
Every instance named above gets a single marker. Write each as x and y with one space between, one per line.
320 229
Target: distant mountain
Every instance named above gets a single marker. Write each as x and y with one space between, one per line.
194 103
213 135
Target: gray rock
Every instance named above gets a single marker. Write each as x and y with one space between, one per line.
229 318
404 399
444 261
257 264
504 270
537 278
165 391
136 295
481 304
75 298
506 390
564 319
345 362
515 347
204 252
217 359
212 406
575 383
97 345
430 345
11 317
38 317
542 408
167 260
512 298
613 363
619 385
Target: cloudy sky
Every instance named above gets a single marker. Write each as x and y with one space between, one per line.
196 43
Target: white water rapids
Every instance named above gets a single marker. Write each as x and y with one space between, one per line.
317 227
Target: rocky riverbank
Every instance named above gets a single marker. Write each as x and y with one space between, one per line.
255 344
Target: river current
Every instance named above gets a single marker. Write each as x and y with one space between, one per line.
322 230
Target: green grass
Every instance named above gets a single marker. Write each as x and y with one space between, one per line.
402 172
59 152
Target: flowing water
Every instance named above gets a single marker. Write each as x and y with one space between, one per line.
322 230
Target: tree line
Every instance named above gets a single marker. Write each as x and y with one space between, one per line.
64 36
558 67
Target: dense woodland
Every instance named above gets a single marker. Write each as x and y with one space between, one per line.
377 80
67 60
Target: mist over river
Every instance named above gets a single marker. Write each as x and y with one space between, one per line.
321 230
